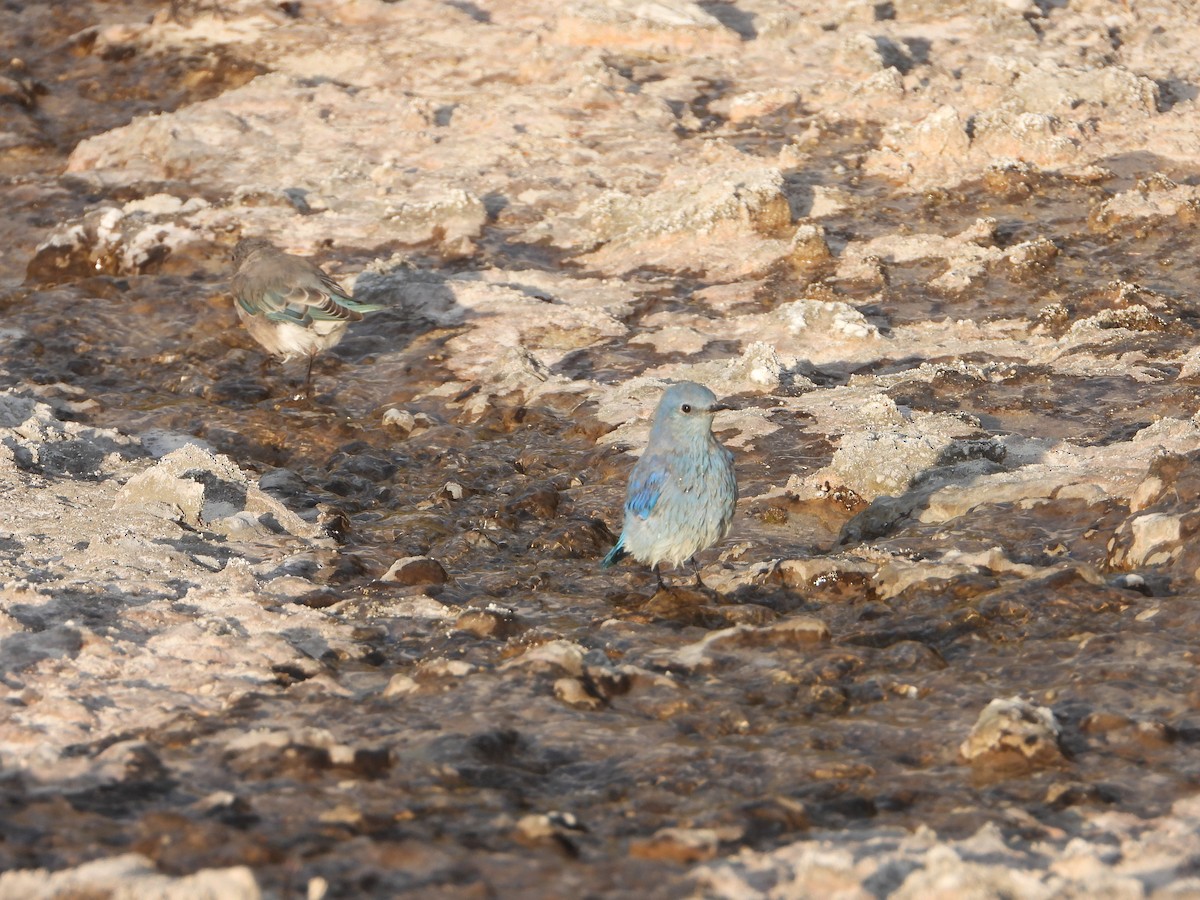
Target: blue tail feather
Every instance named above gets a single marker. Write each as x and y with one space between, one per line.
615 555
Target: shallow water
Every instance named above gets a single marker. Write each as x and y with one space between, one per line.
761 742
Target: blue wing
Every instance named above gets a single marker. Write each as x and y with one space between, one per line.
645 487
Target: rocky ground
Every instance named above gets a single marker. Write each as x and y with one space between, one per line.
938 254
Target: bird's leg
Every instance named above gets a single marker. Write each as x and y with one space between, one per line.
662 585
700 585
308 377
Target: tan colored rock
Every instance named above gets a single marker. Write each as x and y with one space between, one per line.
679 845
1013 732
416 570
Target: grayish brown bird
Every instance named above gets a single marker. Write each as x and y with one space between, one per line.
288 304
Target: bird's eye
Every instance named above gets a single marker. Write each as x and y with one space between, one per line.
687 408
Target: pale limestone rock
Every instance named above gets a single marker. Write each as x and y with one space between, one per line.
1013 730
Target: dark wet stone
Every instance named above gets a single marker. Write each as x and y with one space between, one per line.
540 503
678 845
1155 734
364 463
370 763
237 388
772 817
751 614
495 746
179 843
267 761
348 567
577 540
319 599
798 630
335 523
1062 794
228 809
65 263
871 612
909 656
1104 722
288 675
822 699
682 607
500 624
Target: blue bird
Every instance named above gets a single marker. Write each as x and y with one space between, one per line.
682 492
288 304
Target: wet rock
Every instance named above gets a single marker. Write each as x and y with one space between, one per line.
416 570
769 818
868 53
910 656
399 685
728 210
805 573
539 503
809 249
400 419
552 656
968 256
1153 539
678 845
751 614
131 240
1062 794
947 871
932 147
586 540
453 218
1050 87
441 669
759 368
796 630
1103 722
1158 531
674 25
1013 733
575 692
492 621
130 875
681 605
34 438
1148 203
873 463
1135 318
556 829
201 490
755 104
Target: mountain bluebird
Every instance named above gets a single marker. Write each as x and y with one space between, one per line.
682 492
288 304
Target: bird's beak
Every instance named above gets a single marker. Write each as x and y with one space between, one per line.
721 405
